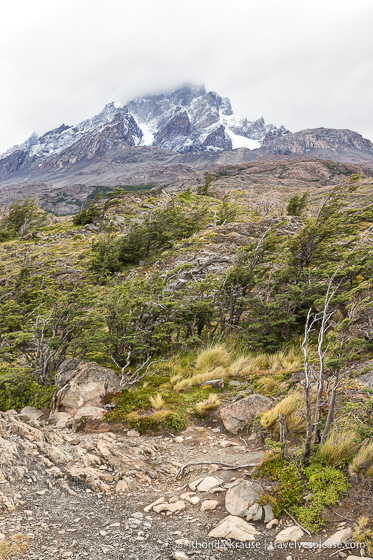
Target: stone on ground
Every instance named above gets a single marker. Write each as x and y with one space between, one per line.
340 537
292 533
233 527
241 496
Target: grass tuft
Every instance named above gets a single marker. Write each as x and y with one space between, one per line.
362 463
362 534
199 378
213 357
338 448
157 401
287 406
212 402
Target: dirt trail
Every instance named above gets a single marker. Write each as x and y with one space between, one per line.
70 516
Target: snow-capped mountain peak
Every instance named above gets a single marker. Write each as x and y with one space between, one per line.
189 119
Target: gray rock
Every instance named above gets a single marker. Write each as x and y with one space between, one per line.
268 513
60 419
240 414
133 433
240 497
254 513
233 527
80 383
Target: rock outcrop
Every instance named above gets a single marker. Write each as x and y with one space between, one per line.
240 415
82 384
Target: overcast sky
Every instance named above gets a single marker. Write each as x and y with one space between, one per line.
298 63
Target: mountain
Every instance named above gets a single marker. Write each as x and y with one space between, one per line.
186 120
322 142
156 139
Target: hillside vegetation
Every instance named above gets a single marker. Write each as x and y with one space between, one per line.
176 291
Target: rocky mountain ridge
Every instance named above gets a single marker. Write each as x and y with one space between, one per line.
158 139
186 120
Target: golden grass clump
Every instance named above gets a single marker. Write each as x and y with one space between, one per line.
362 463
213 357
268 384
285 360
157 401
239 365
160 415
134 415
287 406
296 423
212 402
363 535
289 360
199 378
339 447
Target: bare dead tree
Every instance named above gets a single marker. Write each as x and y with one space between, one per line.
310 322
325 318
283 434
330 416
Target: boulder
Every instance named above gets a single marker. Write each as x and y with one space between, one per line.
367 379
239 415
204 484
30 413
233 527
209 504
89 412
292 533
172 508
254 513
60 419
80 383
340 537
240 497
268 513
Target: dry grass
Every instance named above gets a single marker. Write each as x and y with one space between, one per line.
134 415
15 547
289 360
296 423
160 415
268 384
213 357
212 402
286 360
239 365
199 378
362 534
157 401
362 463
339 447
287 406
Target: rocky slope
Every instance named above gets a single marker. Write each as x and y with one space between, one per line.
320 142
73 494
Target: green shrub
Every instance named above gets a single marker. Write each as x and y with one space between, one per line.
289 491
18 390
175 422
144 423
